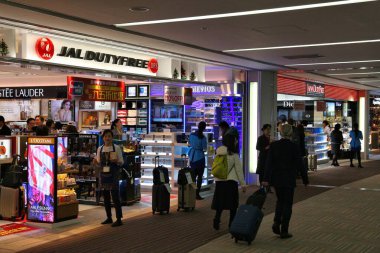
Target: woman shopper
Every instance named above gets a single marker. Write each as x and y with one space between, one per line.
336 137
198 145
117 129
281 168
110 158
226 195
355 145
262 146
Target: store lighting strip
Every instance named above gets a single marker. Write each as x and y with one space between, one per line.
329 63
347 74
305 45
370 81
253 121
245 13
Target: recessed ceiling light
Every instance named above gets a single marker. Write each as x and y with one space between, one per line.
329 63
246 13
347 74
363 68
139 9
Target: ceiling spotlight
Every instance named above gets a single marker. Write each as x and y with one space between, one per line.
139 9
363 68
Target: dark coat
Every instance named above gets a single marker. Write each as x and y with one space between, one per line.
262 142
5 130
283 164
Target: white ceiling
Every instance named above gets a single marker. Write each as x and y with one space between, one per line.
322 25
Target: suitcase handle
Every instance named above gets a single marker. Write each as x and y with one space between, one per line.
156 161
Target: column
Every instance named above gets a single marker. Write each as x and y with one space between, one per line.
261 108
364 122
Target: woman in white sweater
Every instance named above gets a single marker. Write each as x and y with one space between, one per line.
226 195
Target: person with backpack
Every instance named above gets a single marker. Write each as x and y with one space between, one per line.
226 194
281 168
336 137
355 145
198 146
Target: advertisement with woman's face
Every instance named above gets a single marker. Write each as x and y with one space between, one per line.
61 110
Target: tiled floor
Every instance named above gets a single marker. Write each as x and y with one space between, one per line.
345 219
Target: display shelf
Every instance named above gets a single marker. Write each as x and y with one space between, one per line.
316 143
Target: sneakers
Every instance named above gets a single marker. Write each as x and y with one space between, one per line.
117 223
107 221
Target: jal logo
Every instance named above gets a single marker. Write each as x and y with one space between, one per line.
153 65
45 48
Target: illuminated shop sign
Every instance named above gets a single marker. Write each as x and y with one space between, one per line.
315 89
86 54
95 89
34 92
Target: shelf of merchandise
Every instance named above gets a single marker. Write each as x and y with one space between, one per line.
232 113
66 208
316 143
171 160
134 114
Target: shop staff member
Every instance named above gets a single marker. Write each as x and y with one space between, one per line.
4 129
39 120
110 158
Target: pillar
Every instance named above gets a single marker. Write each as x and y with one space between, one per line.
364 122
261 108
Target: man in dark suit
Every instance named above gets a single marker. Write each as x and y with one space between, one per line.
4 129
281 168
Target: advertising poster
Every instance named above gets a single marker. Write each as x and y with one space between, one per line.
173 95
95 89
61 110
41 171
16 110
62 150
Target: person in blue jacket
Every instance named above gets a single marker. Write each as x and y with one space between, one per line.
356 135
198 145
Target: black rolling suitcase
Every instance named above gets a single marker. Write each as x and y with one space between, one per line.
160 190
186 187
248 218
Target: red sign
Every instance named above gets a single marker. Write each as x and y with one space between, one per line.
95 89
153 65
14 228
45 48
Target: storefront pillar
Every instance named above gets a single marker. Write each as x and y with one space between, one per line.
261 101
364 122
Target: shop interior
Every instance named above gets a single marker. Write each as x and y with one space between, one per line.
151 128
314 111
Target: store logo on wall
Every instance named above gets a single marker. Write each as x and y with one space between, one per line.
153 65
288 104
45 48
315 89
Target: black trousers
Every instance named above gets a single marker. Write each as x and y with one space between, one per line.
284 205
198 170
218 214
116 201
352 155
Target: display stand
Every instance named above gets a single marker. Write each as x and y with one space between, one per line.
50 196
165 146
316 143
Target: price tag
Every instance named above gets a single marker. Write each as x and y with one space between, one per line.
162 177
189 178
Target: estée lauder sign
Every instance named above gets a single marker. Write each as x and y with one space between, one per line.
87 55
315 89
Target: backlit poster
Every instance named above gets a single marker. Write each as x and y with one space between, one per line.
41 171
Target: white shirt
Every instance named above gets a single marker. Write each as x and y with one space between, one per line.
119 154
